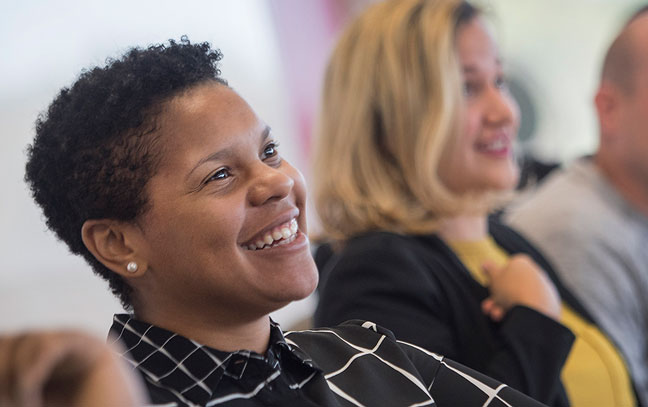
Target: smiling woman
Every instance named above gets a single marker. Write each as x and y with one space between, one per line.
220 185
173 189
414 151
415 147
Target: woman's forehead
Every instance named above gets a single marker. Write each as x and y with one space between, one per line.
216 109
476 44
205 120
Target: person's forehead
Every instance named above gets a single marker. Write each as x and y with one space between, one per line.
206 97
216 107
475 42
202 122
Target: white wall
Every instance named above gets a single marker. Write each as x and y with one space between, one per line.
557 47
43 47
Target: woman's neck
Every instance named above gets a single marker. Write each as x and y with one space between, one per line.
226 336
464 228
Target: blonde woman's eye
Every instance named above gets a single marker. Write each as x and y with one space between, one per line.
500 83
469 89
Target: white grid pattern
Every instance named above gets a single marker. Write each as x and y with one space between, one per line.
347 346
179 364
160 348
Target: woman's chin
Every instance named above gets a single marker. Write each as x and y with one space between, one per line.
306 282
299 282
505 182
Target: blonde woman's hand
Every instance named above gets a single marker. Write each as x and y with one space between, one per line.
520 282
63 368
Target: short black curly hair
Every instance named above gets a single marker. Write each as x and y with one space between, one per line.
95 147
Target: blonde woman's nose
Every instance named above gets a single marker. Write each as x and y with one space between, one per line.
501 107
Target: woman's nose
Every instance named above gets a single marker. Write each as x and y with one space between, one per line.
502 108
269 184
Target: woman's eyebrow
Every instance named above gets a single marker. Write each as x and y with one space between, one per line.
469 69
218 155
473 69
224 153
265 133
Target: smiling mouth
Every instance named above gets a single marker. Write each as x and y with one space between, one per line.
277 236
500 145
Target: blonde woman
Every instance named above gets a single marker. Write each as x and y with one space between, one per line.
414 150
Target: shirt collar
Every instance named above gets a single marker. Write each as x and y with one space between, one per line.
193 371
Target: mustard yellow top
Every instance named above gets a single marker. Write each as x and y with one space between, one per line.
594 374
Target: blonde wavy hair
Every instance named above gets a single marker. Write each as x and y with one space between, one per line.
392 97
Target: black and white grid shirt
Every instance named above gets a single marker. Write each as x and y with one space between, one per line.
353 364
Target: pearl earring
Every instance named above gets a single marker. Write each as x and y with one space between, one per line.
131 267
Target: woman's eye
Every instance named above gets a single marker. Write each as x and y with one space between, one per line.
219 175
500 83
469 89
270 150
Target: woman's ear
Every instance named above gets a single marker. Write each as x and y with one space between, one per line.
116 245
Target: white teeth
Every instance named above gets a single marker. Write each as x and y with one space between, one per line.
496 145
286 241
281 235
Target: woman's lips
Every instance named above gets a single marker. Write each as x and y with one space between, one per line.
277 236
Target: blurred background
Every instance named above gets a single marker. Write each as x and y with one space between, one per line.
275 52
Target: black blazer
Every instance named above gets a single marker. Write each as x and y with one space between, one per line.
418 288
